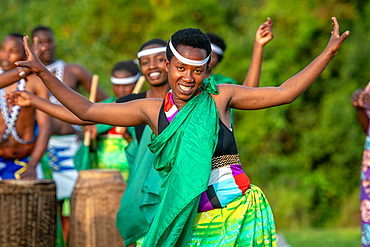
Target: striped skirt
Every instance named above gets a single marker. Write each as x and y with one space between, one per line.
246 221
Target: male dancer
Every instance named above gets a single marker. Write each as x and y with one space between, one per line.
64 143
23 140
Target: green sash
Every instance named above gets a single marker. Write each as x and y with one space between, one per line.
140 201
222 79
184 153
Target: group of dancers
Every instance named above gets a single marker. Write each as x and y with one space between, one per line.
186 185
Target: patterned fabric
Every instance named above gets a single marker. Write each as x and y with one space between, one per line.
10 117
246 221
12 169
60 153
170 108
57 68
226 183
110 154
365 187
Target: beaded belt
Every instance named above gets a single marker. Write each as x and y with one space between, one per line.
225 160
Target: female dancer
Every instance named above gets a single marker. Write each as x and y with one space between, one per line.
192 136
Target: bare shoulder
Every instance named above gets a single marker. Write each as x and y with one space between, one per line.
225 91
151 104
77 69
35 85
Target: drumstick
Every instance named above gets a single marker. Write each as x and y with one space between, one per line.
92 98
139 85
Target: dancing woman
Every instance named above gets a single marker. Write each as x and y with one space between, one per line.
206 197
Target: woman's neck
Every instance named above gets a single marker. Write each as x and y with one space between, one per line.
158 92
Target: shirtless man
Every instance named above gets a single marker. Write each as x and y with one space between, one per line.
64 142
23 140
72 75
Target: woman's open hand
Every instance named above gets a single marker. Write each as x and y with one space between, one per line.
32 63
336 39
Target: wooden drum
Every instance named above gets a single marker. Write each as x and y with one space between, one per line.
94 204
27 213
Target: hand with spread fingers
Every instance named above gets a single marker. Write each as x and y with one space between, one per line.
364 100
355 99
336 38
21 98
264 32
33 63
36 47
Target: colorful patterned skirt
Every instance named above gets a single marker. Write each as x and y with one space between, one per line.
246 221
111 155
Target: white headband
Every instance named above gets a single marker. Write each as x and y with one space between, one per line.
216 49
151 51
125 81
186 60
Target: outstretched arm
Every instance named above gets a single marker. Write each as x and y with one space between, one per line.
263 36
25 98
257 98
13 75
133 113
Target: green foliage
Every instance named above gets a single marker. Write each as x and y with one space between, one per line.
324 237
306 156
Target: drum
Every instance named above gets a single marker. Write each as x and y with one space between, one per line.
94 204
27 213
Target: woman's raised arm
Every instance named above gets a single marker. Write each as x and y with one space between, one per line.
258 98
128 114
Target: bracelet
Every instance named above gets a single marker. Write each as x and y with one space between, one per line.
22 74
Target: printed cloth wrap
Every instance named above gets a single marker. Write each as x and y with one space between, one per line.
12 168
365 186
246 221
184 153
60 153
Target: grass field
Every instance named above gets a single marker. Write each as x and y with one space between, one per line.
341 237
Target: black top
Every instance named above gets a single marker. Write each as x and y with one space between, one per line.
140 128
226 141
